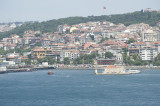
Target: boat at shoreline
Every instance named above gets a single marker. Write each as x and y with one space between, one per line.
43 67
116 70
3 69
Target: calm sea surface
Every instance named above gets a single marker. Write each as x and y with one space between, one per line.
80 88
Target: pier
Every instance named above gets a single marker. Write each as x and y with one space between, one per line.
29 69
20 70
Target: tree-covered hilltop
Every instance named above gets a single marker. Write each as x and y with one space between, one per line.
150 18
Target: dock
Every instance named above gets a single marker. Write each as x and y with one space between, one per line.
29 69
20 70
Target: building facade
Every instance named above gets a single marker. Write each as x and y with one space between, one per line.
148 53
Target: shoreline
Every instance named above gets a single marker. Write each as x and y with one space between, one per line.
76 67
104 66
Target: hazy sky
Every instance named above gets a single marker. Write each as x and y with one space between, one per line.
43 10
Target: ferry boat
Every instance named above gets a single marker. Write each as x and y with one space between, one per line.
50 73
116 70
3 69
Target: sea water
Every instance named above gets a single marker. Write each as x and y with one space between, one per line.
80 88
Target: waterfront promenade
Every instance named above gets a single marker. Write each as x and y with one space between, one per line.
100 67
85 66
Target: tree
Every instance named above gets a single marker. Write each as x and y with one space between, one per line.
37 35
145 63
131 40
66 60
86 59
103 39
77 61
108 55
142 11
134 56
156 60
28 61
125 50
137 63
50 60
157 63
2 52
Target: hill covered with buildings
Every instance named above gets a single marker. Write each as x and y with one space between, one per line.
148 17
82 40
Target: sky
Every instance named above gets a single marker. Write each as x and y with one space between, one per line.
44 10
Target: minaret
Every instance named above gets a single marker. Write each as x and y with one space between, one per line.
96 72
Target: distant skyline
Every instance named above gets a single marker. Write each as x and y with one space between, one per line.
44 10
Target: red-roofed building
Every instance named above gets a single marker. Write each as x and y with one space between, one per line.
90 46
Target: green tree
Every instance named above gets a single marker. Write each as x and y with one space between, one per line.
108 55
77 61
125 50
103 39
145 63
66 60
156 60
37 35
86 59
50 60
134 56
131 40
138 63
2 52
27 62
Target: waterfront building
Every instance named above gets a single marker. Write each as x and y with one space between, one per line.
119 59
106 61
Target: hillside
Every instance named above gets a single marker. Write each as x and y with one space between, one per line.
150 18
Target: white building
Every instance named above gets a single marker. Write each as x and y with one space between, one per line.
119 59
149 36
148 52
69 54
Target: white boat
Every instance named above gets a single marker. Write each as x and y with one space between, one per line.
3 69
116 70
133 71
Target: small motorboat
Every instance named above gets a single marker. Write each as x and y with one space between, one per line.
50 73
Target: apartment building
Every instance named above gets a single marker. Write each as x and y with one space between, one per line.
149 36
148 53
39 52
71 54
